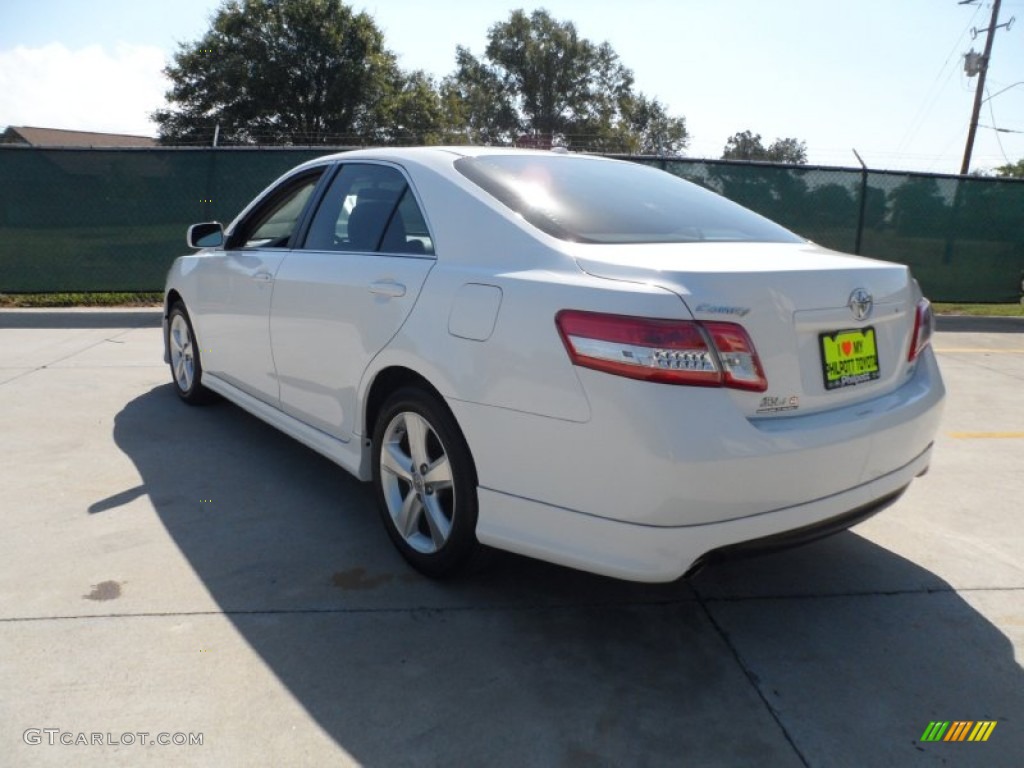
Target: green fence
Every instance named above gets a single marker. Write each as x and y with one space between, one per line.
963 237
113 220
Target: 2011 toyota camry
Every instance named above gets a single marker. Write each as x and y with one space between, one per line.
583 360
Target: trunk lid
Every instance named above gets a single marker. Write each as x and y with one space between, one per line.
786 296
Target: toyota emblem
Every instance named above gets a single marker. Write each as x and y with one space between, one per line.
860 304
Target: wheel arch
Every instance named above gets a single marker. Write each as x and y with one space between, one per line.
171 299
389 380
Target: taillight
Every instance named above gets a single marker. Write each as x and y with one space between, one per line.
924 327
667 351
741 367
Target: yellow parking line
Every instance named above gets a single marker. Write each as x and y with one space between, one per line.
985 435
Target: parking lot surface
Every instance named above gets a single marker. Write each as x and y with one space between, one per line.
193 575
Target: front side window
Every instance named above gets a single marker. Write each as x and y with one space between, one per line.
273 223
367 209
588 200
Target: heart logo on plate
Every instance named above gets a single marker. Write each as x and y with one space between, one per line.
847 348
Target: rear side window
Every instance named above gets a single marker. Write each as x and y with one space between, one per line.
407 232
591 200
367 209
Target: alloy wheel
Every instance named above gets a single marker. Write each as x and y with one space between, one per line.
182 355
417 483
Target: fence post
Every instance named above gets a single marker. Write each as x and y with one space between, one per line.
863 203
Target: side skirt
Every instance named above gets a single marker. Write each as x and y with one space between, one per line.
350 455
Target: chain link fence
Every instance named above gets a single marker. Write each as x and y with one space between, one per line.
113 220
963 237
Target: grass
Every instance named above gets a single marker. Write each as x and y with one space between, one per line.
979 310
116 299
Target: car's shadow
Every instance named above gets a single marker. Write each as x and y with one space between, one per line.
528 663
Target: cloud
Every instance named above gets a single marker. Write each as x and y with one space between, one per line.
90 89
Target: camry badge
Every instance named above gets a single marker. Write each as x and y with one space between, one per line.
860 304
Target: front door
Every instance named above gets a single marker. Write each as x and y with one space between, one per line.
236 286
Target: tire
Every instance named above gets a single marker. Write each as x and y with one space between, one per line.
186 366
425 483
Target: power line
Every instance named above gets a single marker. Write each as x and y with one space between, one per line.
999 139
930 99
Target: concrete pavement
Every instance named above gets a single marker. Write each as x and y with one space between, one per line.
189 571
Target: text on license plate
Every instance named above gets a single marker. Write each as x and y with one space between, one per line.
848 357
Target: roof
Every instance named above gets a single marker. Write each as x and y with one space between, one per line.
58 137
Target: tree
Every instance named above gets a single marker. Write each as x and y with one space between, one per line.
476 101
645 127
1012 170
744 146
292 71
748 146
413 114
538 78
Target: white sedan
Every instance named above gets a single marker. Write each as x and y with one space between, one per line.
582 360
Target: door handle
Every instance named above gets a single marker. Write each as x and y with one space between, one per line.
263 277
387 288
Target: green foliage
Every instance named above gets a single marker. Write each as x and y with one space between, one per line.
313 72
294 72
122 299
979 310
414 113
477 101
746 145
539 82
1012 170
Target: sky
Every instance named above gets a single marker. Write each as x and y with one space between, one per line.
884 77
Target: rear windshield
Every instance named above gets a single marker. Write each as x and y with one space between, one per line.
591 200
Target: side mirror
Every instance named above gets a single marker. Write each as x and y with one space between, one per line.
208 235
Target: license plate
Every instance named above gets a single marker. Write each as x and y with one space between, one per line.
848 358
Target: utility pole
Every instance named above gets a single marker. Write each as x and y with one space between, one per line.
985 59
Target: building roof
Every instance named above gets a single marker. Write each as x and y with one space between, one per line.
57 137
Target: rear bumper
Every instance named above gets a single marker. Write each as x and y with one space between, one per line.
796 536
657 554
655 481
664 456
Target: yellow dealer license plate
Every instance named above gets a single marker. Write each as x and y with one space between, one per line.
849 358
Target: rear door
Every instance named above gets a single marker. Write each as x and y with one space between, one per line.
342 296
